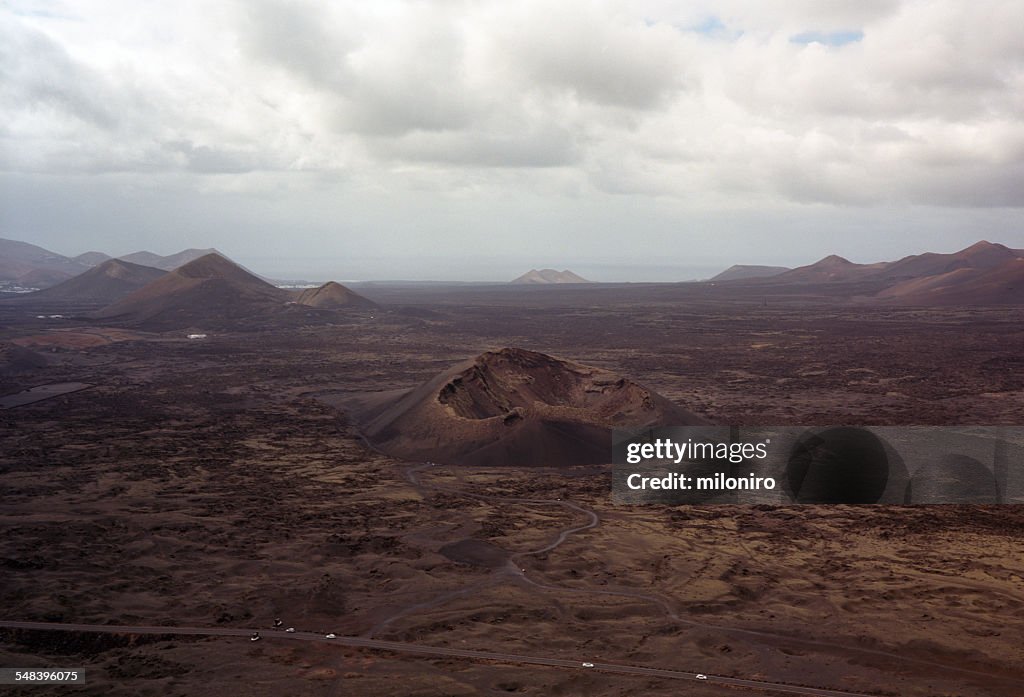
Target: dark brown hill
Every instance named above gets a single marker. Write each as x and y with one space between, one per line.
332 295
106 283
43 278
517 408
739 272
171 261
1003 285
34 266
832 268
982 255
210 292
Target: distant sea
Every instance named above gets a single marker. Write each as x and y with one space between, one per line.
320 271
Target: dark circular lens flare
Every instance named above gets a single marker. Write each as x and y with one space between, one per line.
838 465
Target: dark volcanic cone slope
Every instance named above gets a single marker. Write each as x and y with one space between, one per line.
210 292
982 255
333 295
830 269
1003 285
517 408
109 281
171 261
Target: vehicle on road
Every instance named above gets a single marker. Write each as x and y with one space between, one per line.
332 635
701 676
290 630
255 636
588 665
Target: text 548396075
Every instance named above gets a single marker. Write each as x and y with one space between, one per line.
41 676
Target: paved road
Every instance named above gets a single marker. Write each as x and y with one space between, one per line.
439 651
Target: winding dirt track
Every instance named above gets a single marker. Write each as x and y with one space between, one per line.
515 572
512 571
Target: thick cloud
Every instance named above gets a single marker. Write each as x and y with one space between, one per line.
709 104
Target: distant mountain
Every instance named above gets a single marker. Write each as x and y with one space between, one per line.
42 278
981 255
984 273
548 276
30 266
211 291
910 270
91 258
514 407
169 262
739 272
832 268
333 295
106 283
35 266
1002 285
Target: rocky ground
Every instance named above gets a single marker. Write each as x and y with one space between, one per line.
209 483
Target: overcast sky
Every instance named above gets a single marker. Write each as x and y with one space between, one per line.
474 140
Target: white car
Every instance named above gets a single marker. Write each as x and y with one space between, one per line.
588 665
290 630
701 676
332 635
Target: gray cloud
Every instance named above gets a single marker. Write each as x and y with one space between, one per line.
457 105
293 36
38 76
538 148
573 49
210 160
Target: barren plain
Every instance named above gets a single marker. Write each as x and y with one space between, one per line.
215 482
